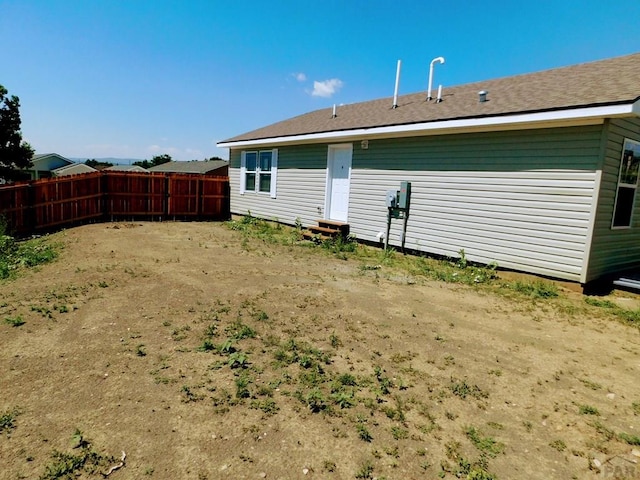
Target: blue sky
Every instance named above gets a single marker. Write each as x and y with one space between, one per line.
137 78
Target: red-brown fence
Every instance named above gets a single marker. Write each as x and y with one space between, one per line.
41 205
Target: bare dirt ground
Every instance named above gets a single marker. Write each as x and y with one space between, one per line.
206 355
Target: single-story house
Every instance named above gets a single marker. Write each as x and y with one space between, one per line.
43 164
218 168
72 169
125 168
537 172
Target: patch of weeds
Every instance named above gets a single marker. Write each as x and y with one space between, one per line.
630 439
588 410
635 406
238 360
537 289
631 317
399 433
71 465
226 348
343 399
8 420
456 271
239 331
267 405
14 321
528 426
315 400
603 430
340 245
180 333
486 445
207 346
384 383
363 432
261 316
42 310
15 256
242 386
334 340
558 445
589 384
365 471
140 350
190 395
462 389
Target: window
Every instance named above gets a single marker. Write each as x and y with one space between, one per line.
627 185
258 172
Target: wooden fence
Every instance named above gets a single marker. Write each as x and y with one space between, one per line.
42 205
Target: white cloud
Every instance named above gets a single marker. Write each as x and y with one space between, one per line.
301 77
326 88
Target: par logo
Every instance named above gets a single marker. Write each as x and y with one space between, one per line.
618 467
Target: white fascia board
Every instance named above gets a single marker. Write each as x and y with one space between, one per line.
577 116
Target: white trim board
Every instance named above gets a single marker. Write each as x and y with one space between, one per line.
555 118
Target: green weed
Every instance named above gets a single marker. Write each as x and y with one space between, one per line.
486 445
631 317
630 439
558 445
14 321
588 410
537 289
8 420
71 465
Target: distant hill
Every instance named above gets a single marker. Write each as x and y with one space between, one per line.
115 161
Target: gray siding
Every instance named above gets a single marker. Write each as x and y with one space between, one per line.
521 198
300 187
614 250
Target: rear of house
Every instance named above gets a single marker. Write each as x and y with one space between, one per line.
539 178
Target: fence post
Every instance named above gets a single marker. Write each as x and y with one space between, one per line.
30 217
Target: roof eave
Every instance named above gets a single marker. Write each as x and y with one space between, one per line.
567 117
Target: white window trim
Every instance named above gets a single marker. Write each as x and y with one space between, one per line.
627 185
243 173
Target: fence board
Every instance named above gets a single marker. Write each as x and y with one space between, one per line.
38 205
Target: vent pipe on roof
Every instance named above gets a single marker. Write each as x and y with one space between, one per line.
482 96
439 99
395 92
437 59
333 115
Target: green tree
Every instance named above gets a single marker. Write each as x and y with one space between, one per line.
157 160
14 153
160 159
92 162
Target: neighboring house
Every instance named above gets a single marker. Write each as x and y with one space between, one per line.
540 177
207 167
44 163
73 169
125 168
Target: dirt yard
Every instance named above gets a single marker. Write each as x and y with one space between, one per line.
205 354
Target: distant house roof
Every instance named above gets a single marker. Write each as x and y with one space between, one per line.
196 166
126 168
73 169
43 161
604 88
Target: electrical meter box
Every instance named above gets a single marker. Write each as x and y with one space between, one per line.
392 198
404 197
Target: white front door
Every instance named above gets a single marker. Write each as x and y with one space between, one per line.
338 178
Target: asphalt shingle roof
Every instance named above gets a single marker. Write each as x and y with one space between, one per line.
605 82
190 167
